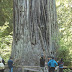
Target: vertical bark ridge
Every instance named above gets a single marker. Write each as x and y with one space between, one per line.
34 30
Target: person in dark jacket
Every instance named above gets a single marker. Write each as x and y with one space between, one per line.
61 63
42 62
3 61
10 64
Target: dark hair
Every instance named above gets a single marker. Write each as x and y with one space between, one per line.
10 57
52 57
61 59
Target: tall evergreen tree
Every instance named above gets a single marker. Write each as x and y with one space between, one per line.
35 30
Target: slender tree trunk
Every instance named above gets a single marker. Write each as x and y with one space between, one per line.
35 30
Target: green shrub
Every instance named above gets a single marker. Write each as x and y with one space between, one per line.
63 52
66 70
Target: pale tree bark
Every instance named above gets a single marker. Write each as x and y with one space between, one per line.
35 30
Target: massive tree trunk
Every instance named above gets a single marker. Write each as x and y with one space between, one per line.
35 30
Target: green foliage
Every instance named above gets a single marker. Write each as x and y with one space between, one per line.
6 15
6 28
66 70
64 13
5 47
63 52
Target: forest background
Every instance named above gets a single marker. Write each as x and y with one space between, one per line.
64 19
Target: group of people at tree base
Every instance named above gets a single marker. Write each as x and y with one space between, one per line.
51 64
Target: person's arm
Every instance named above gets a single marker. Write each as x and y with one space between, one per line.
3 61
49 63
12 63
56 64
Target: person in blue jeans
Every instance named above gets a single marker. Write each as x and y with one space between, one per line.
52 64
10 64
61 63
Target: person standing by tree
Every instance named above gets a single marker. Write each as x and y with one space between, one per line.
10 64
61 63
2 63
42 62
52 64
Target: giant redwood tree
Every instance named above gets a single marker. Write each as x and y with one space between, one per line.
35 30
